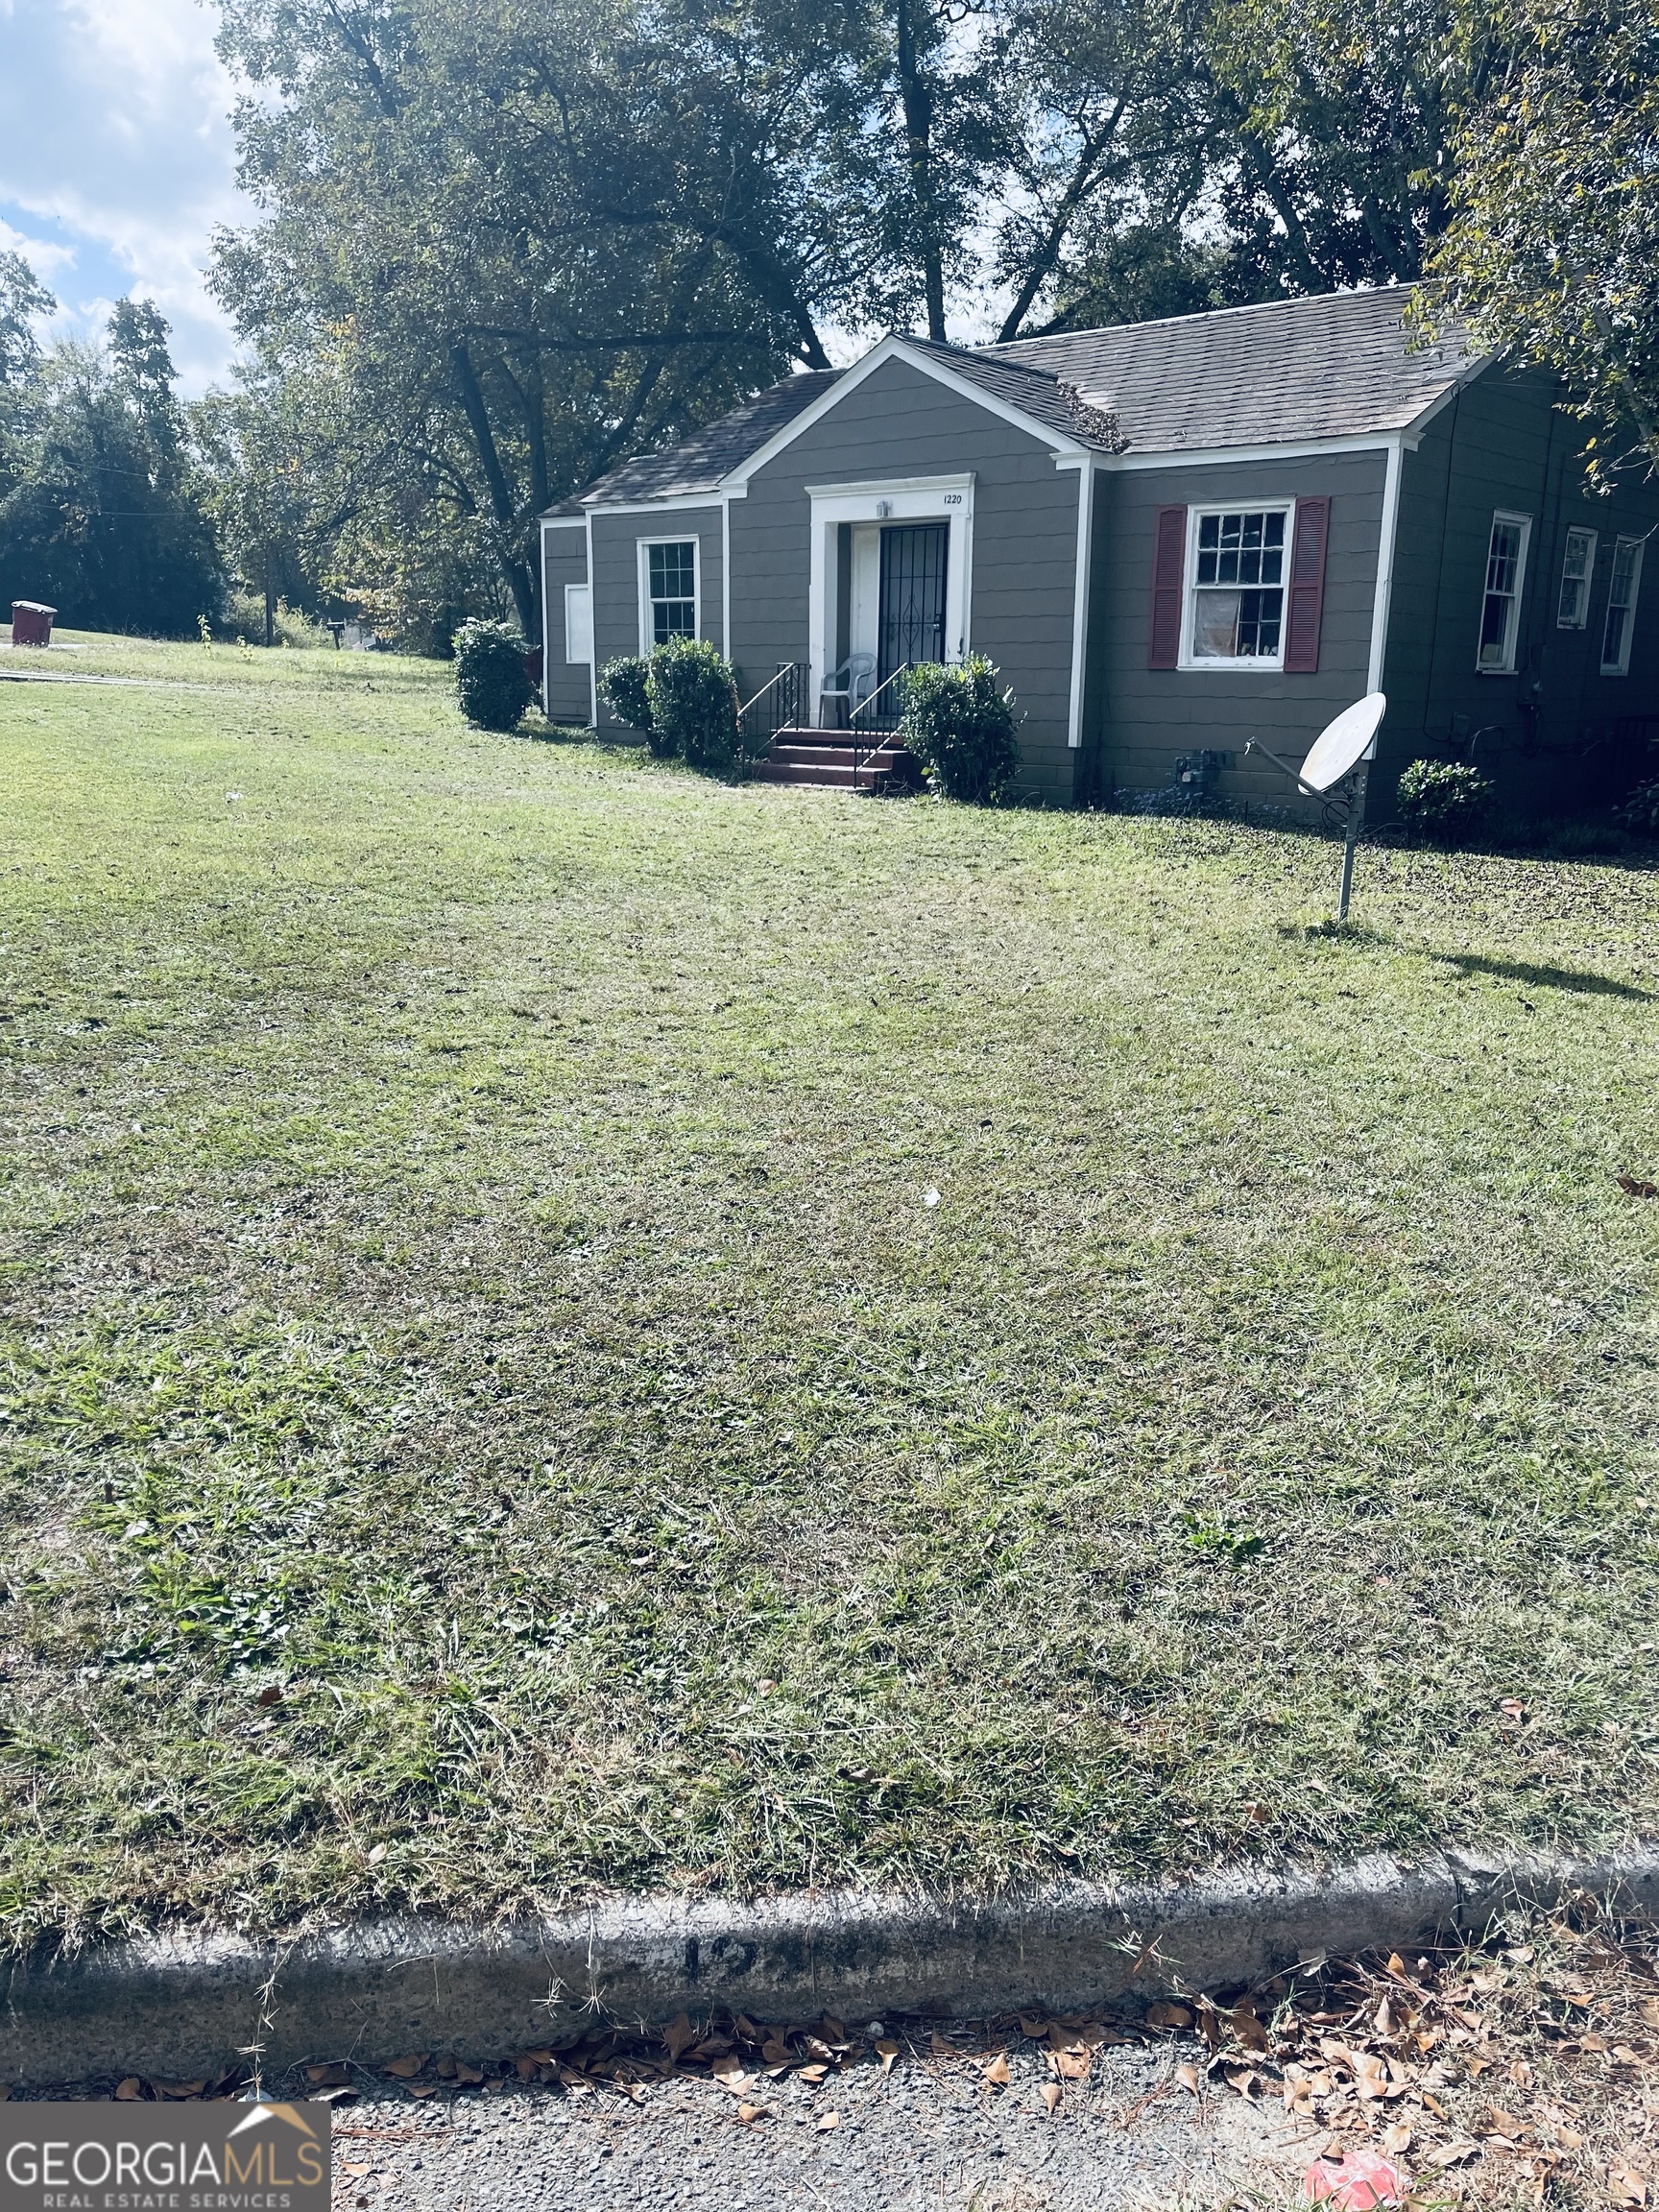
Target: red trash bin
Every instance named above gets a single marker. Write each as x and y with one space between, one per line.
30 622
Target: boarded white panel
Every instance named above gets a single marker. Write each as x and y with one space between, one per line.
578 622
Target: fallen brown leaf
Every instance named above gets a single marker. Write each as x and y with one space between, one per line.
1446 2154
886 2049
679 2035
1164 2014
332 2077
405 2069
750 2113
130 2091
1625 2185
1633 1186
996 2070
1188 2078
177 2090
1396 2139
1051 2096
830 2120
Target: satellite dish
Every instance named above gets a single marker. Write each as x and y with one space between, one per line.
1342 744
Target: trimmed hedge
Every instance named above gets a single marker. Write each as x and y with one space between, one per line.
492 681
622 688
961 729
693 701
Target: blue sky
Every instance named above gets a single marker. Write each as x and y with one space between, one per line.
116 161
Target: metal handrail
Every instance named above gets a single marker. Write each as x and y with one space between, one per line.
863 708
790 669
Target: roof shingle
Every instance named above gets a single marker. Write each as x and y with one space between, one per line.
1338 365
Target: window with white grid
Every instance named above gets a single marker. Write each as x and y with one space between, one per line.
1621 624
1236 602
1501 606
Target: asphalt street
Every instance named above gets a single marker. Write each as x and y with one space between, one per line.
934 2133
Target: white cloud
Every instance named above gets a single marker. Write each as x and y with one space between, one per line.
116 159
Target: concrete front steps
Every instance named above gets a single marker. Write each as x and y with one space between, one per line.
846 758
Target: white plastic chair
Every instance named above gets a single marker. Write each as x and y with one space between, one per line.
846 688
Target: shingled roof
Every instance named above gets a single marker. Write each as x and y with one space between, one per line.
699 462
1336 366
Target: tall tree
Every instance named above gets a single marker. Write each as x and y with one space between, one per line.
102 510
1553 246
515 240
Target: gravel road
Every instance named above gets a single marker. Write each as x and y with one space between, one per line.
932 2134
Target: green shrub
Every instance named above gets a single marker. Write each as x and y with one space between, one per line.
961 729
244 618
693 699
1639 812
1443 800
622 688
490 679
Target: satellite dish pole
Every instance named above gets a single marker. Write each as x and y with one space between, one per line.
1340 755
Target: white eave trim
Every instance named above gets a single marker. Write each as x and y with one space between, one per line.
563 521
896 350
670 503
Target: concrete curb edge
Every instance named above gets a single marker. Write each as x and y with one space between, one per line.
182 2006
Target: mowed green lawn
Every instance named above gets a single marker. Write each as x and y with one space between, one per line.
493 1411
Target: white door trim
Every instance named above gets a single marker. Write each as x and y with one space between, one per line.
898 499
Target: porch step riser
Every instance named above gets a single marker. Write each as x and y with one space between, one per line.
842 777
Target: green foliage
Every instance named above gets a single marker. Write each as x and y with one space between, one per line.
1443 800
622 688
490 679
961 729
22 298
1639 812
1212 1538
693 701
244 618
1553 247
102 508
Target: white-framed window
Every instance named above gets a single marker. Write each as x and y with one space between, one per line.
669 590
1622 590
1501 607
1237 559
1577 568
578 622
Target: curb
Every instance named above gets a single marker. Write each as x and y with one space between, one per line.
183 2006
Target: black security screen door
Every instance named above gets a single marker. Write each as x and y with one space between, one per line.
912 595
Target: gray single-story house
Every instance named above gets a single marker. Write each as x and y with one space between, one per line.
1168 537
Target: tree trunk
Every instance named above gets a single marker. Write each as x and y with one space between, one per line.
917 97
522 581
269 606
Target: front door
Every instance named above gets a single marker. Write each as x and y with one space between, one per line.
912 612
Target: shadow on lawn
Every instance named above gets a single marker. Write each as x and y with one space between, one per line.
1542 979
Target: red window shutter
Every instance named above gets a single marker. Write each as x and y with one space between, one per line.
1168 573
1307 588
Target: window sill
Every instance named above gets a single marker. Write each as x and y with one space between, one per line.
1257 665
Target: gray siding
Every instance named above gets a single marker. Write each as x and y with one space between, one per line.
566 690
1549 733
617 578
900 422
1139 720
